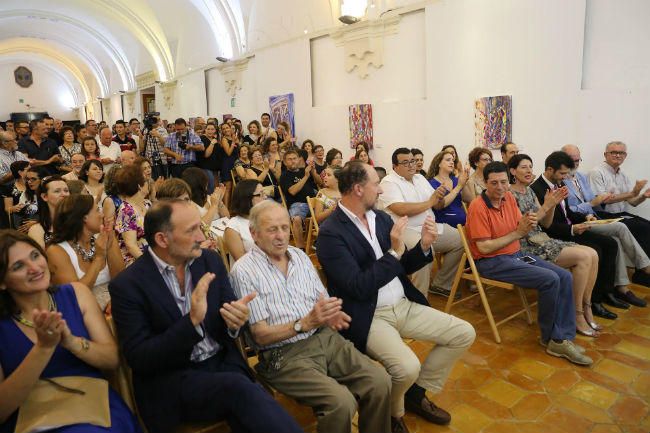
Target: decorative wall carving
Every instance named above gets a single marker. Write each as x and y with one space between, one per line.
146 80
168 89
232 75
130 102
363 43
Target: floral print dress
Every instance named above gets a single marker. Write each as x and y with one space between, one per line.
537 242
128 219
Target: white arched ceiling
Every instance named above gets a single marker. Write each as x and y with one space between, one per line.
113 38
79 31
9 49
73 84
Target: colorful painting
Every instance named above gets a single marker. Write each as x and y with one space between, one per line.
281 109
493 121
360 124
226 117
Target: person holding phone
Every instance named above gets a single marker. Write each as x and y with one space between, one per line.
495 227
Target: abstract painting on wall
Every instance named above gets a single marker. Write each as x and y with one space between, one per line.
493 121
360 124
281 109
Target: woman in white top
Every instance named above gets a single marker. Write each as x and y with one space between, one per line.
238 237
328 197
84 248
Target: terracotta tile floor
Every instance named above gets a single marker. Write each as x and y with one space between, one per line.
514 387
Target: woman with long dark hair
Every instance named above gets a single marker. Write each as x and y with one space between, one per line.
50 192
84 248
47 332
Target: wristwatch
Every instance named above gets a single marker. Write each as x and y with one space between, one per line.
393 253
297 326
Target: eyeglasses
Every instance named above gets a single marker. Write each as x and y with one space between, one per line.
31 179
617 153
485 159
406 163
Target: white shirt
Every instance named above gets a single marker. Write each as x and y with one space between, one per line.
242 227
605 179
113 152
396 189
393 291
280 299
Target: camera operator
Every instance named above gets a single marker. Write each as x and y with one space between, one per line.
182 146
152 145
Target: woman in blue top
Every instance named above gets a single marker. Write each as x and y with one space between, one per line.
441 174
49 332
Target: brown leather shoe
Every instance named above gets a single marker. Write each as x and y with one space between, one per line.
397 425
429 411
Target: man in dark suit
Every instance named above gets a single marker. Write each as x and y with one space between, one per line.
364 258
176 317
568 225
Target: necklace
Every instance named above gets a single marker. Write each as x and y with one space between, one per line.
86 256
51 307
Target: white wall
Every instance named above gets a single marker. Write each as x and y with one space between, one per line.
48 93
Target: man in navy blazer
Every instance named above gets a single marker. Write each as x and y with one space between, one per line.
177 317
366 263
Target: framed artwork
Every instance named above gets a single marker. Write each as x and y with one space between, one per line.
360 118
281 108
493 121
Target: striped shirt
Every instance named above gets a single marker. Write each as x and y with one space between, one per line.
280 299
207 347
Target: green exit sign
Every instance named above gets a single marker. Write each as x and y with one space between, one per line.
21 101
232 102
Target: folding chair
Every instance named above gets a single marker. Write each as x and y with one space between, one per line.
305 222
233 175
312 227
223 252
482 283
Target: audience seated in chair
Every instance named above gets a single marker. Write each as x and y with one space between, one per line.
84 247
572 226
449 210
406 193
177 318
295 322
494 227
582 199
364 258
581 260
48 332
237 235
297 184
608 177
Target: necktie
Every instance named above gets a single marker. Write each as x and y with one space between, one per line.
563 207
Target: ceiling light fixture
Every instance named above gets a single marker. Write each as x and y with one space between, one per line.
348 19
223 59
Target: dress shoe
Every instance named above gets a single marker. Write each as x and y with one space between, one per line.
630 298
641 278
599 310
397 425
427 410
613 301
566 349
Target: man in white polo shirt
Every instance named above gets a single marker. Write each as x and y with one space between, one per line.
407 193
109 151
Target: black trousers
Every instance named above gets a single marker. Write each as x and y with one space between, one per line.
607 250
177 170
216 389
639 227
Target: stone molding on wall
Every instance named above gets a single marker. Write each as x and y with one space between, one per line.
232 75
130 102
168 89
363 43
145 80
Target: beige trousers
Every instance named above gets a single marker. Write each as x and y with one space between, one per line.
327 373
452 337
449 244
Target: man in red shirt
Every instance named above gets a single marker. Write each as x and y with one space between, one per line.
494 227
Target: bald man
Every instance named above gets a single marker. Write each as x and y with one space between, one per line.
128 157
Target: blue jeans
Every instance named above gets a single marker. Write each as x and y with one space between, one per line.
556 313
